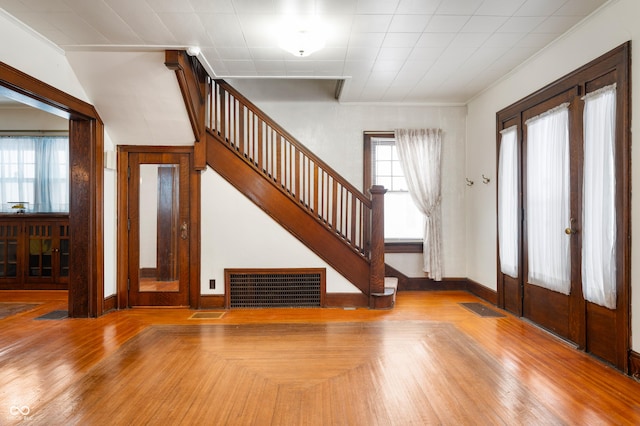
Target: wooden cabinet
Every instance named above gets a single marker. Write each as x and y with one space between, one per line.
34 252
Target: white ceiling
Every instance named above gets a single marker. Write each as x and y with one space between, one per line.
414 51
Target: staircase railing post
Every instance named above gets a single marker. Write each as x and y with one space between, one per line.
376 269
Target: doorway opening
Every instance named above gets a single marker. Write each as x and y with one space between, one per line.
86 283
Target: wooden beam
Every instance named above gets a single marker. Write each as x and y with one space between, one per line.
192 80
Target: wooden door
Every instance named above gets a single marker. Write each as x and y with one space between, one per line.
551 309
158 236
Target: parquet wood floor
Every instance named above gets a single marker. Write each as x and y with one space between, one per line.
428 361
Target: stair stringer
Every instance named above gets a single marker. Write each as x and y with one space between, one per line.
281 208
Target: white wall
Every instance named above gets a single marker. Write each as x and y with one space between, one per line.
136 95
238 234
28 118
611 26
32 54
110 221
334 132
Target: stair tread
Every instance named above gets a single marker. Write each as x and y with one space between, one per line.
388 291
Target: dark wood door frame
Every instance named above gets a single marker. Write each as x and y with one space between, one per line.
612 67
122 301
86 142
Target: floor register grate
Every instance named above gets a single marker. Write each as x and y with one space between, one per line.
276 289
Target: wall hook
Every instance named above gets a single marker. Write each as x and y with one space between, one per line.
485 180
469 182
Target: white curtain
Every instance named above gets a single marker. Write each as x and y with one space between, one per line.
16 182
52 175
508 190
420 155
548 213
35 170
599 194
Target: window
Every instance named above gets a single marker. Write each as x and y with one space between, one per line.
34 173
403 222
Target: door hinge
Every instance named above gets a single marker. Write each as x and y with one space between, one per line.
128 172
128 224
128 284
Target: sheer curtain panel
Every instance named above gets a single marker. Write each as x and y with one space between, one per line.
508 226
548 213
599 198
17 170
420 155
52 175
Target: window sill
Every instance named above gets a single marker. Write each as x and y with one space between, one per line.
403 247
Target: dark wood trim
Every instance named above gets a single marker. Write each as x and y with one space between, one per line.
367 172
447 284
406 283
110 304
383 300
180 149
482 292
346 300
40 95
377 265
404 247
634 364
623 163
195 234
511 299
211 301
122 235
86 140
33 216
192 80
403 280
189 80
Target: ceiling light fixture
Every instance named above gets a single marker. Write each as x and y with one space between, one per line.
302 39
193 50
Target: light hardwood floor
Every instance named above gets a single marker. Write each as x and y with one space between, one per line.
428 361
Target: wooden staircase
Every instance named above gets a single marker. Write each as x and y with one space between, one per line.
281 176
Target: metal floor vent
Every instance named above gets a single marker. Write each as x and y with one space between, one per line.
292 288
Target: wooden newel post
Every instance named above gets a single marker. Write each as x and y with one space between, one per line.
376 269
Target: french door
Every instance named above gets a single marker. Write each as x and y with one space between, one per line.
551 204
564 207
158 229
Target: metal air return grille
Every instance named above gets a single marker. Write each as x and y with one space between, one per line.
282 288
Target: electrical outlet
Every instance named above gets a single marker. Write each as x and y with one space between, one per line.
212 284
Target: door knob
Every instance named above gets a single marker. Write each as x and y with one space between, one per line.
184 231
570 230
